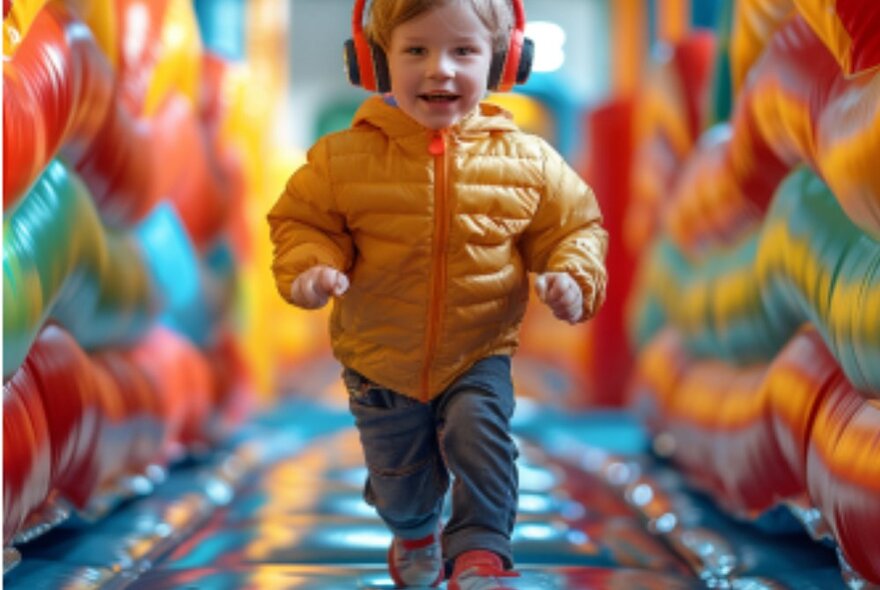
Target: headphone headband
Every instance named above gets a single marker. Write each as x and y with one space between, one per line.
519 15
515 51
362 50
357 16
367 66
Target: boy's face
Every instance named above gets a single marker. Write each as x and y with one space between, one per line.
439 64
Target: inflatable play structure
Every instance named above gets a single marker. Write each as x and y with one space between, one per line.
128 154
737 163
755 315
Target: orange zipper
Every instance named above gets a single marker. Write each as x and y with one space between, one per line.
437 148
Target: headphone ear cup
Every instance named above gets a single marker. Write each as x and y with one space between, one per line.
352 67
496 70
380 68
497 78
527 55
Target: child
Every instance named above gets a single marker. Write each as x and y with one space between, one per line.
422 223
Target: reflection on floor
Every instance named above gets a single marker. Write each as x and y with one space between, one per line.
281 508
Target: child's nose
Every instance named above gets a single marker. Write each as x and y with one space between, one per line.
441 66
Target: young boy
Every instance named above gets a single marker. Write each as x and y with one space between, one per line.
422 222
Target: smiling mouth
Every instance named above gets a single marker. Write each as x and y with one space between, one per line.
438 97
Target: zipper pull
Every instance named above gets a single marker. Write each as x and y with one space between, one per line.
437 143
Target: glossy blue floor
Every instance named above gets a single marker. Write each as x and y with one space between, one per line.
280 507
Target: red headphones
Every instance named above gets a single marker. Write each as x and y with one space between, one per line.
367 66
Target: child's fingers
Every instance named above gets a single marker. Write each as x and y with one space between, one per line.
312 288
564 297
541 287
559 291
560 288
556 290
333 282
302 291
341 285
570 313
326 280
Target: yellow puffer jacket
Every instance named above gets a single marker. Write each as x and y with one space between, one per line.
437 231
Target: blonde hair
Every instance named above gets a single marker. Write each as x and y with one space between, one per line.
386 15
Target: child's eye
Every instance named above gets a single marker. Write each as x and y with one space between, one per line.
465 50
415 50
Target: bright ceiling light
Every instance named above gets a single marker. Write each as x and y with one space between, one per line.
549 39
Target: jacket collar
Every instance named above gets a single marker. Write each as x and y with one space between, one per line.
376 112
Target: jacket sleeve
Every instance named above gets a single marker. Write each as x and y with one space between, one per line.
566 234
306 228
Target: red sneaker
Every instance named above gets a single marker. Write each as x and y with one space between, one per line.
479 570
416 562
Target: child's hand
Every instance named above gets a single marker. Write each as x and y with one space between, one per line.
314 287
561 294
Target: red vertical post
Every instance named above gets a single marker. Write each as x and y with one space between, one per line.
607 169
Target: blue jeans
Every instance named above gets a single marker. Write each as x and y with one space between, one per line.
411 448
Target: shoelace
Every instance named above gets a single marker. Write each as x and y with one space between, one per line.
418 554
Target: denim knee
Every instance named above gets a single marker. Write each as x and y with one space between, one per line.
407 477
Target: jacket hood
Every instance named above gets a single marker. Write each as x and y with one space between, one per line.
394 122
